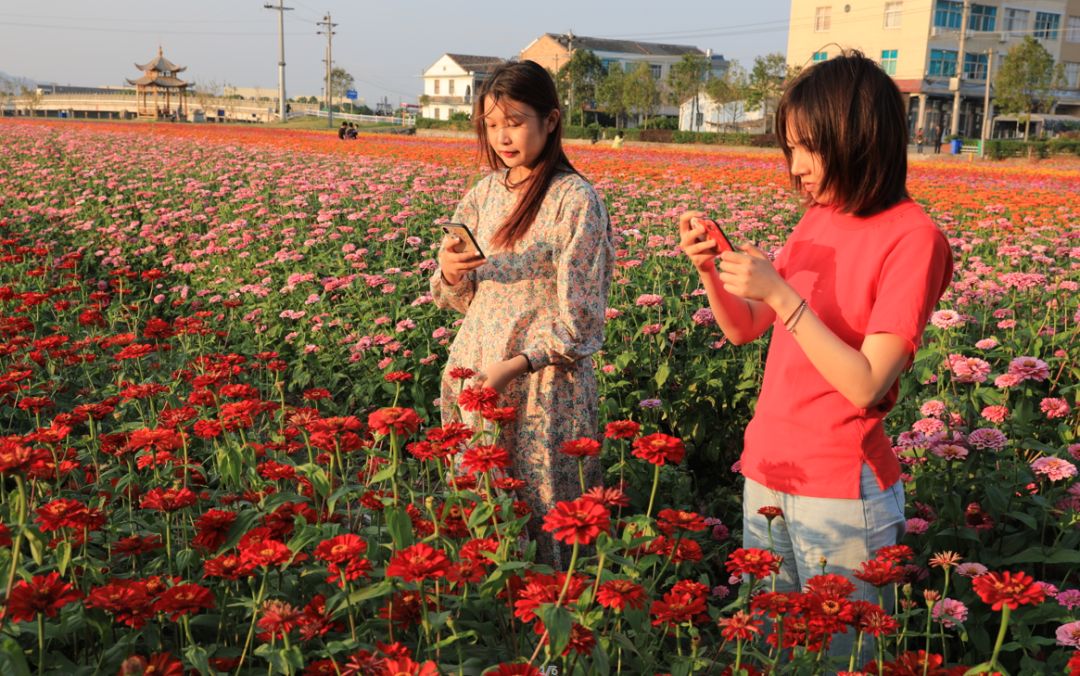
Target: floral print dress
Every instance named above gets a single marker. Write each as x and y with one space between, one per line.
545 299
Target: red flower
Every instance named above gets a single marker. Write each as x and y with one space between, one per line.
167 499
159 439
478 398
621 594
677 608
398 377
659 449
45 594
418 563
212 528
128 601
500 415
880 572
402 421
158 664
405 666
758 563
581 448
184 599
577 521
480 459
670 520
896 553
341 548
739 627
622 429
609 497
278 619
461 373
207 429
316 393
68 513
1008 589
770 512
265 553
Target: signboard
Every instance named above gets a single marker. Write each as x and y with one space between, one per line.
351 94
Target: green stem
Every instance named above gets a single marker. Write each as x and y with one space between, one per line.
1005 610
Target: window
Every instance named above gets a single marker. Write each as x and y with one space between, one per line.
821 56
436 91
699 120
1072 32
822 19
607 64
436 110
629 66
1046 25
892 14
948 14
1016 21
888 61
655 68
1072 75
942 63
982 18
450 87
975 66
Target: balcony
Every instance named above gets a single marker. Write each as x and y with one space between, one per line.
450 100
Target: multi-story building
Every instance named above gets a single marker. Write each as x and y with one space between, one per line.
918 42
450 82
553 50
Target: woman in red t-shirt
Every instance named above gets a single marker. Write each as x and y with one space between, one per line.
847 298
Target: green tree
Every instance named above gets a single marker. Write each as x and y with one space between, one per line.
578 80
340 82
686 80
765 83
641 93
730 87
1026 81
611 94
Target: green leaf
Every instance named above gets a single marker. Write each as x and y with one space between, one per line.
662 374
454 638
12 660
1038 554
197 657
480 515
400 526
370 592
558 623
63 553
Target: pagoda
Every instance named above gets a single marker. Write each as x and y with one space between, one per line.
168 91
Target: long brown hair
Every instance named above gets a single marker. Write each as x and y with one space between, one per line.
851 113
528 83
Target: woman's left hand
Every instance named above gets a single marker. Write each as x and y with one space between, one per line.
748 273
500 374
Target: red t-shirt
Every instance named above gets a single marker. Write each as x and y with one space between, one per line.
881 274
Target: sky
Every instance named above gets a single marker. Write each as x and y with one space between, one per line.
385 45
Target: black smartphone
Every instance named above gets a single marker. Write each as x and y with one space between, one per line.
463 233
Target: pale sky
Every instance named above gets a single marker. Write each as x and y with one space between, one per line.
385 45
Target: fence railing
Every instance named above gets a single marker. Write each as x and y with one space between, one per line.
404 120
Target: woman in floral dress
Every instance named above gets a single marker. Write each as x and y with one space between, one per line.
534 307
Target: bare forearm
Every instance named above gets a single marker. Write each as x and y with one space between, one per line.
844 367
734 315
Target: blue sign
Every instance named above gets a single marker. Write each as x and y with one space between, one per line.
351 94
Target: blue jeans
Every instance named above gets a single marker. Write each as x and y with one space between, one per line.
828 533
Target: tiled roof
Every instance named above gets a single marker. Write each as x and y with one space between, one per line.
625 46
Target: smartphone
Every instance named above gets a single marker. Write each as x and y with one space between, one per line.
462 232
713 232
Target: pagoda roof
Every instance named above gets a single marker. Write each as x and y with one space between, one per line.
160 64
160 81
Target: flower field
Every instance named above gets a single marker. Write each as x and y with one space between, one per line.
222 453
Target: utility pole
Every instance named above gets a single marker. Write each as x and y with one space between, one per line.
986 127
570 72
281 9
954 127
329 33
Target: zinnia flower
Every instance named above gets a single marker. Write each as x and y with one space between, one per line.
45 594
759 563
577 521
1008 589
659 449
621 594
402 421
581 448
418 563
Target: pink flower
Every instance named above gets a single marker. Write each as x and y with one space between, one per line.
1054 469
932 409
950 612
1069 635
1006 380
917 526
968 369
950 451
649 300
1074 451
1069 599
946 319
1054 407
928 426
987 343
1029 368
971 569
996 414
987 438
703 317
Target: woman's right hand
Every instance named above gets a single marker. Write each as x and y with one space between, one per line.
453 263
700 249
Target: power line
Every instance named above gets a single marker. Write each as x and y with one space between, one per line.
85 29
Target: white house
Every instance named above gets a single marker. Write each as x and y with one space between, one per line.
450 82
706 114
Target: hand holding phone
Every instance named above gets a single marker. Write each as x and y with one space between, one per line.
459 253
713 232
